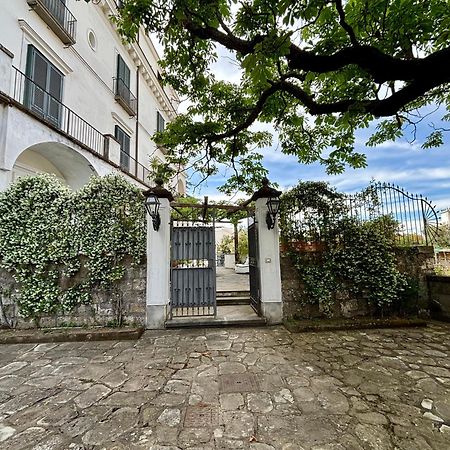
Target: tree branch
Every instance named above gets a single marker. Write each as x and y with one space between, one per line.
254 114
344 24
380 66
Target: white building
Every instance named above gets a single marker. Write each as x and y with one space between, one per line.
74 100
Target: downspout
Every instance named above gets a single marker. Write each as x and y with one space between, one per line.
136 151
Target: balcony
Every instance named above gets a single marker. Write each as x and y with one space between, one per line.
48 109
58 17
39 103
124 97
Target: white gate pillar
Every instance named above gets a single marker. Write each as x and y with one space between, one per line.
158 261
269 258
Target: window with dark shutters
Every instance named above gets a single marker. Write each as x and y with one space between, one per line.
44 94
160 122
123 72
124 141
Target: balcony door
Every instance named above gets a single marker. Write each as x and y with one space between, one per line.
123 79
124 141
44 87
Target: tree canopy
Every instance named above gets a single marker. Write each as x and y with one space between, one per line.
315 70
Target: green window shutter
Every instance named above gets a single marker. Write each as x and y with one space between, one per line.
160 122
123 72
124 141
44 94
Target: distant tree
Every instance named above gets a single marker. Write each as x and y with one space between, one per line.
317 70
228 245
443 236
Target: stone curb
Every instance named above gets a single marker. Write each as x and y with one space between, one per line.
300 326
53 335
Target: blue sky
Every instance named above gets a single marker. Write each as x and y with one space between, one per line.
425 172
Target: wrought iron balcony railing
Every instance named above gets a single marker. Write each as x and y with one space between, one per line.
41 104
124 96
49 109
58 17
134 168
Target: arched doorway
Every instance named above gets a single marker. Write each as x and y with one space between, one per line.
67 164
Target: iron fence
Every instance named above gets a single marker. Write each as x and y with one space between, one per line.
46 107
412 217
409 219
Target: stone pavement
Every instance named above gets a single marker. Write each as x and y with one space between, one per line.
229 280
256 389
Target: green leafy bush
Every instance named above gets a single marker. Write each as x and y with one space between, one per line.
345 255
59 244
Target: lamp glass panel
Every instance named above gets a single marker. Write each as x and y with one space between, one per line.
273 205
152 204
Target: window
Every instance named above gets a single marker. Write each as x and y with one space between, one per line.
92 40
160 122
124 141
123 72
43 94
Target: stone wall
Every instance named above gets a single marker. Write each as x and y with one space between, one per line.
439 292
415 262
124 303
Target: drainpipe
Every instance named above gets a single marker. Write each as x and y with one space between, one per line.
136 151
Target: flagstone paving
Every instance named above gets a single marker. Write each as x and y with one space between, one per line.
256 389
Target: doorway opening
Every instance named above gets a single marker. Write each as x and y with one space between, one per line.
214 275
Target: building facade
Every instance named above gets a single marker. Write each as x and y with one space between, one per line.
74 99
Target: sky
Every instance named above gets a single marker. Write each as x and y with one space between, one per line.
419 171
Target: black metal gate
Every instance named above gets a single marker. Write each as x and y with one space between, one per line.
253 260
193 271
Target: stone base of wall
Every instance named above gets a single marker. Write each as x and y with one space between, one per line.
296 304
439 292
414 262
124 303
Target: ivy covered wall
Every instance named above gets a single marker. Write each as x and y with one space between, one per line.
415 263
342 258
72 256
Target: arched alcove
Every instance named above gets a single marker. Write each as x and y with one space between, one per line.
53 157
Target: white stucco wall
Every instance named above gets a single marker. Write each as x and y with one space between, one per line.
88 78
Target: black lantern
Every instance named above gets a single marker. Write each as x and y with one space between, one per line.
273 206
152 204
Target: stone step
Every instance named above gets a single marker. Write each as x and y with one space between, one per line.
232 294
197 322
223 301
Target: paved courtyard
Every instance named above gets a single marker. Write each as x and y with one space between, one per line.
257 389
229 280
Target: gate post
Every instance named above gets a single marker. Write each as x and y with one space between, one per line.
269 257
158 260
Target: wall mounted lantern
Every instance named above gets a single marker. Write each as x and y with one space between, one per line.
153 201
273 206
152 205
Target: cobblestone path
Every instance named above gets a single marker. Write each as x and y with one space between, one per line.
257 389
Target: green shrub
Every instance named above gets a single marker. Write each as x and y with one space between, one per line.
49 234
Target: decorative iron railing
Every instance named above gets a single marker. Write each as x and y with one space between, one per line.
124 96
48 108
413 215
407 219
57 11
133 167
